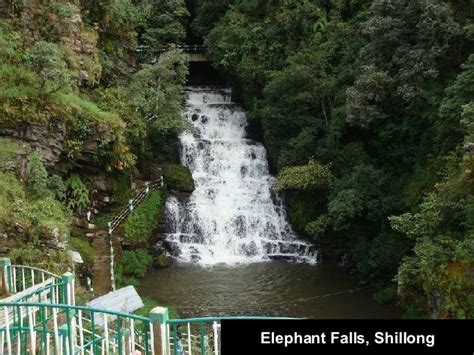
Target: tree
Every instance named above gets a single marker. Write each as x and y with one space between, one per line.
208 13
45 60
155 91
165 24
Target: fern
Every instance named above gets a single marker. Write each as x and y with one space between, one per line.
77 193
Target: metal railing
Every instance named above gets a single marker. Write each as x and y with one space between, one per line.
21 277
197 335
196 48
133 203
124 213
63 329
38 328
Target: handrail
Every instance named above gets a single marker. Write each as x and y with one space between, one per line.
18 278
76 308
207 339
124 213
27 327
132 203
55 295
218 319
46 272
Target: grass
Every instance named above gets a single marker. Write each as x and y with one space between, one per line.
84 248
145 219
8 149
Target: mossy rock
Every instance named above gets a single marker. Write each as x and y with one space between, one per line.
178 177
162 261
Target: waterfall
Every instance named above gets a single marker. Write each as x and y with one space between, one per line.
234 215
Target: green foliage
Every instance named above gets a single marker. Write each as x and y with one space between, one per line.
132 265
56 261
458 102
378 91
386 295
208 13
57 187
178 177
141 224
9 148
443 255
37 180
312 176
83 247
10 190
156 93
149 304
165 23
77 195
45 60
42 218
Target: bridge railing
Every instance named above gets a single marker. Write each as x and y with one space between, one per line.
197 48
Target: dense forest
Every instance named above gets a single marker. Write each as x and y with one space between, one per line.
365 107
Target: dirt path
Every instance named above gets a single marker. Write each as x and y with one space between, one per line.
101 270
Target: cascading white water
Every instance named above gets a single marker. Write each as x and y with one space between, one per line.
233 216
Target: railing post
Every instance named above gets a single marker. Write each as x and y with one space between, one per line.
162 182
112 262
69 329
5 276
159 317
68 288
147 187
130 205
109 227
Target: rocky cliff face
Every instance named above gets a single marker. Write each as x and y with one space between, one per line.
49 139
63 23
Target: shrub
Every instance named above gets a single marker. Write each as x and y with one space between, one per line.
312 176
132 265
37 180
144 220
178 177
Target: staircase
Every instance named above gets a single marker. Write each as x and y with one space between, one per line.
103 277
101 280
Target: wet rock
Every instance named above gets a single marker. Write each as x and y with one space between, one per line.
178 177
195 117
204 119
162 261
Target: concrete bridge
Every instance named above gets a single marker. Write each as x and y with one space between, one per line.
193 52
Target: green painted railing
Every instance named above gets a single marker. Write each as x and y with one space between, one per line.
198 335
38 328
18 278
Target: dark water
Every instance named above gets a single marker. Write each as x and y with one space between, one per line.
262 289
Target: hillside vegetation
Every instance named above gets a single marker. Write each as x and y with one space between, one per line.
366 108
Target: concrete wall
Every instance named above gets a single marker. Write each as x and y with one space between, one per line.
197 56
